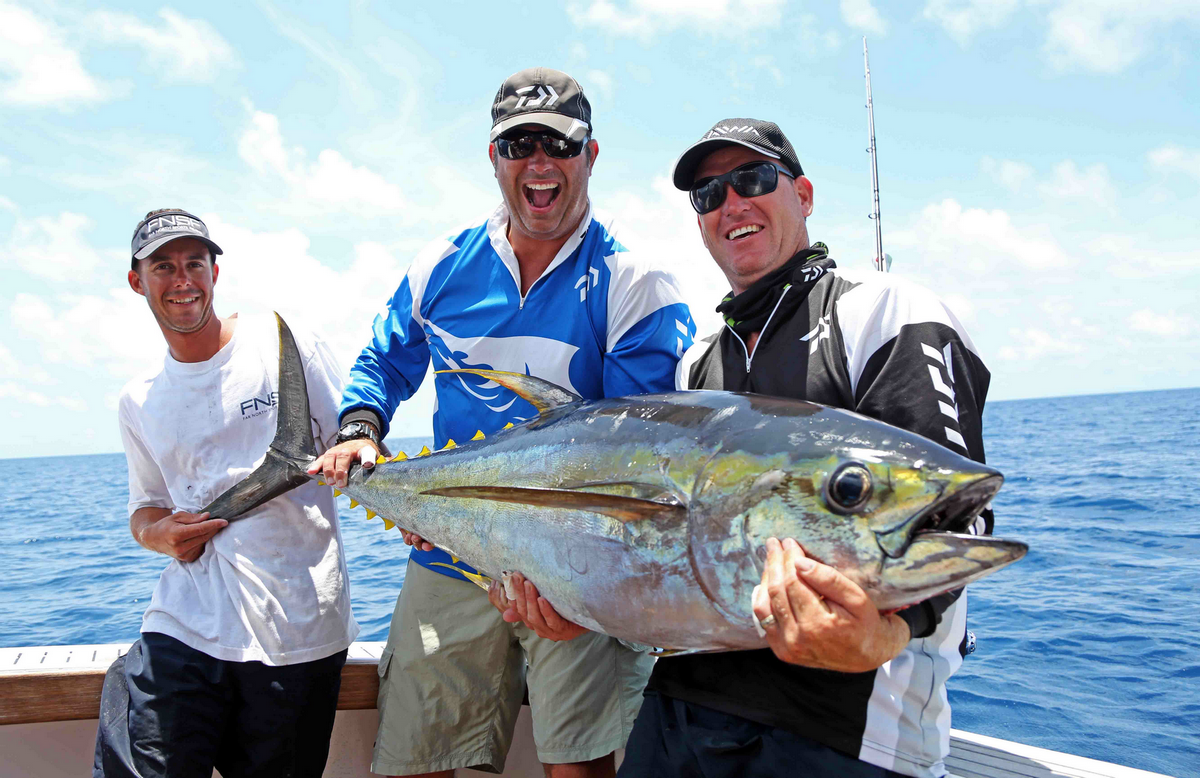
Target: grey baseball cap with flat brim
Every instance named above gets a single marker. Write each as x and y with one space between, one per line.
764 137
156 231
545 97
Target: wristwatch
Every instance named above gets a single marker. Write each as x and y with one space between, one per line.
358 430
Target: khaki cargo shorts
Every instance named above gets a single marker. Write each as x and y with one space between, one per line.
452 679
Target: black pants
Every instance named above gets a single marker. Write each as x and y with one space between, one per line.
676 739
170 710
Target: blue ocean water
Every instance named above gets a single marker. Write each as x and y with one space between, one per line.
1090 645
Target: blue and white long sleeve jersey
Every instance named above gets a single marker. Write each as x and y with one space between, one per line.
601 321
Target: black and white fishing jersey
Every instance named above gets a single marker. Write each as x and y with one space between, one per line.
886 348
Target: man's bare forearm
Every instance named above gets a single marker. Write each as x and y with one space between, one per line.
140 521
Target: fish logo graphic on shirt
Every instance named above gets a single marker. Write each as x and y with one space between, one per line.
545 358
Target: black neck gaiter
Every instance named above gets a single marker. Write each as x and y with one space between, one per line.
748 312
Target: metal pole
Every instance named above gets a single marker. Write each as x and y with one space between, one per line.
879 261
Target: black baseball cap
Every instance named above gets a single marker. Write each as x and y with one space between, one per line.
763 137
542 96
161 227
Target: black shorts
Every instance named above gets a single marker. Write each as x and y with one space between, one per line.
676 739
167 708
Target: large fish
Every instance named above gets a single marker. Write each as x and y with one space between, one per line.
646 517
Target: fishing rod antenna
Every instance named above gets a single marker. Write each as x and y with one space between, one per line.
882 262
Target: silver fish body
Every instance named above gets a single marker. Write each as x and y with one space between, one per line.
646 517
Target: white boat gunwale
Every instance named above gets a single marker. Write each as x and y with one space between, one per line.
48 684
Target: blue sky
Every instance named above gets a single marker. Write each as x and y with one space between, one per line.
1039 165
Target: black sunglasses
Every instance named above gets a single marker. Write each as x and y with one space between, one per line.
520 144
749 180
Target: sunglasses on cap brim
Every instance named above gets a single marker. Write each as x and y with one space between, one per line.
519 144
750 180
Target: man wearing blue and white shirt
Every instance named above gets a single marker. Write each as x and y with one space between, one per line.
542 287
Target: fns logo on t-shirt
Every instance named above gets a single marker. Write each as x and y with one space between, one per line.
257 406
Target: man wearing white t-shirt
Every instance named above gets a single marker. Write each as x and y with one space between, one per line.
239 662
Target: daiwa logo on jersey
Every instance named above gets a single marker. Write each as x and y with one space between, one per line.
546 97
717 132
545 358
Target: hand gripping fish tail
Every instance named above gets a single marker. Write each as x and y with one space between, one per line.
647 517
289 453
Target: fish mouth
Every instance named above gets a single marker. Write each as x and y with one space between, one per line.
963 498
935 552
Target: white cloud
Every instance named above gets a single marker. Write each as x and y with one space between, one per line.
1008 173
13 391
53 248
1173 158
813 39
601 82
1107 36
978 241
1070 183
38 67
962 19
644 18
113 336
1167 324
332 180
8 363
861 15
1100 36
1066 182
661 224
1142 256
1032 343
179 48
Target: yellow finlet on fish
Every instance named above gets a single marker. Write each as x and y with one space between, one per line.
370 514
478 435
449 444
337 492
400 457
424 451
353 503
388 524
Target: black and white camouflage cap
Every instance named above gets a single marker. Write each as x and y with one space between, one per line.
763 137
542 96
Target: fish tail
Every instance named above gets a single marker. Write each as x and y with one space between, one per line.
293 448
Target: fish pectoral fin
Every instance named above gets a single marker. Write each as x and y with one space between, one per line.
623 509
542 394
639 489
683 651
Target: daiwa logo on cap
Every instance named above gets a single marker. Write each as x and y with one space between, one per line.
717 132
544 93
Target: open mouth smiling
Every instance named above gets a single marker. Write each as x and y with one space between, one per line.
745 230
541 194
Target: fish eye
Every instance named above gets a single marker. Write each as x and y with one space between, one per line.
849 488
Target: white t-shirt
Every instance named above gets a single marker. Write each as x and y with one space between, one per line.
272 586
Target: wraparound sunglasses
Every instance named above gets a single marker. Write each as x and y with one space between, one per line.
749 180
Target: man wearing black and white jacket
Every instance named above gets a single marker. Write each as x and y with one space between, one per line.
844 690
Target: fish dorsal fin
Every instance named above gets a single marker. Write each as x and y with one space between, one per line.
623 509
541 394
